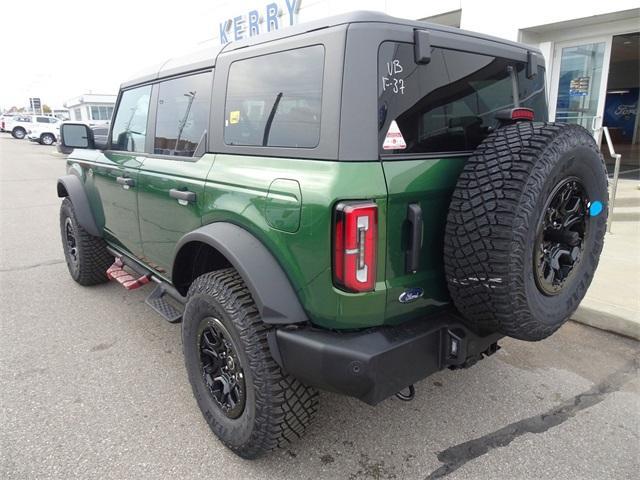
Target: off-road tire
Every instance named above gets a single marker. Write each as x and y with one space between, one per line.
18 133
492 220
93 259
278 407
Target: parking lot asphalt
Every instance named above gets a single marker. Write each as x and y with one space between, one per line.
92 385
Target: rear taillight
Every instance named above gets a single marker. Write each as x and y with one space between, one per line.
355 240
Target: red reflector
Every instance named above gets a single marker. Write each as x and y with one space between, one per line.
356 238
522 114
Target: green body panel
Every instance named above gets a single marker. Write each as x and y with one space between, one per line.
236 191
164 220
429 183
288 205
114 206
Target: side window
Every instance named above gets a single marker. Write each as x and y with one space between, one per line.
53 120
275 100
183 114
42 119
130 125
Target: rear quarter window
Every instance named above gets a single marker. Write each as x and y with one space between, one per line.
275 100
449 105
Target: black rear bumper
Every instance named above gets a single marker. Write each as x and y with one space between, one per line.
373 364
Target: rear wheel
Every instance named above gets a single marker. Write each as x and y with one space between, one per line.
86 256
18 133
525 229
247 400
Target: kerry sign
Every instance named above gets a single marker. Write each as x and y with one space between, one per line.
270 17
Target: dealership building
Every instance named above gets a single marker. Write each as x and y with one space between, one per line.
591 48
91 108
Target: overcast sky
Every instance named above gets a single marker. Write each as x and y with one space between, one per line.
60 49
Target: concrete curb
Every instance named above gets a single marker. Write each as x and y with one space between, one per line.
607 321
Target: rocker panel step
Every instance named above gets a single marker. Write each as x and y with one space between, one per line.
127 280
158 302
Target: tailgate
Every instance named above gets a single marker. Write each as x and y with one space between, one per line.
432 116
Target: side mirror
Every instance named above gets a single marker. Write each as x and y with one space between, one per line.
76 135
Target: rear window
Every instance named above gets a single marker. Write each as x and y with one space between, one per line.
449 104
275 100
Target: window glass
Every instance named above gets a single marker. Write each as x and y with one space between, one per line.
183 114
101 113
42 119
77 114
130 125
449 104
275 100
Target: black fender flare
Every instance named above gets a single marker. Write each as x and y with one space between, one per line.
270 287
71 186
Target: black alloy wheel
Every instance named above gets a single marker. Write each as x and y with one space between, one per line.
561 236
86 256
71 242
245 397
221 369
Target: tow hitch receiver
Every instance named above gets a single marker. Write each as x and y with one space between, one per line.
119 274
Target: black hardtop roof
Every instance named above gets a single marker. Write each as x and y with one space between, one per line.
206 57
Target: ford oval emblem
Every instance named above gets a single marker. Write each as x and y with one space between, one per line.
411 294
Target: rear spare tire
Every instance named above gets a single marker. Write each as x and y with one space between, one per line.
525 228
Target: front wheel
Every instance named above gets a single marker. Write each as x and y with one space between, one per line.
247 400
47 139
86 256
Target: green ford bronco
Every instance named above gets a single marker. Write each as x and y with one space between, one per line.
346 205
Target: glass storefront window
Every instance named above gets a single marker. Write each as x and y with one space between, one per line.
579 83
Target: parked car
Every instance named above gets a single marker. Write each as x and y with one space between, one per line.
348 205
18 125
44 130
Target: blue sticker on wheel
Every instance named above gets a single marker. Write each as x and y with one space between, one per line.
595 208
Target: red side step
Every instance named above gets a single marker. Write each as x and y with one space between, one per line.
119 274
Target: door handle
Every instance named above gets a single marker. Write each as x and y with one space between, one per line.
126 182
183 196
414 217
